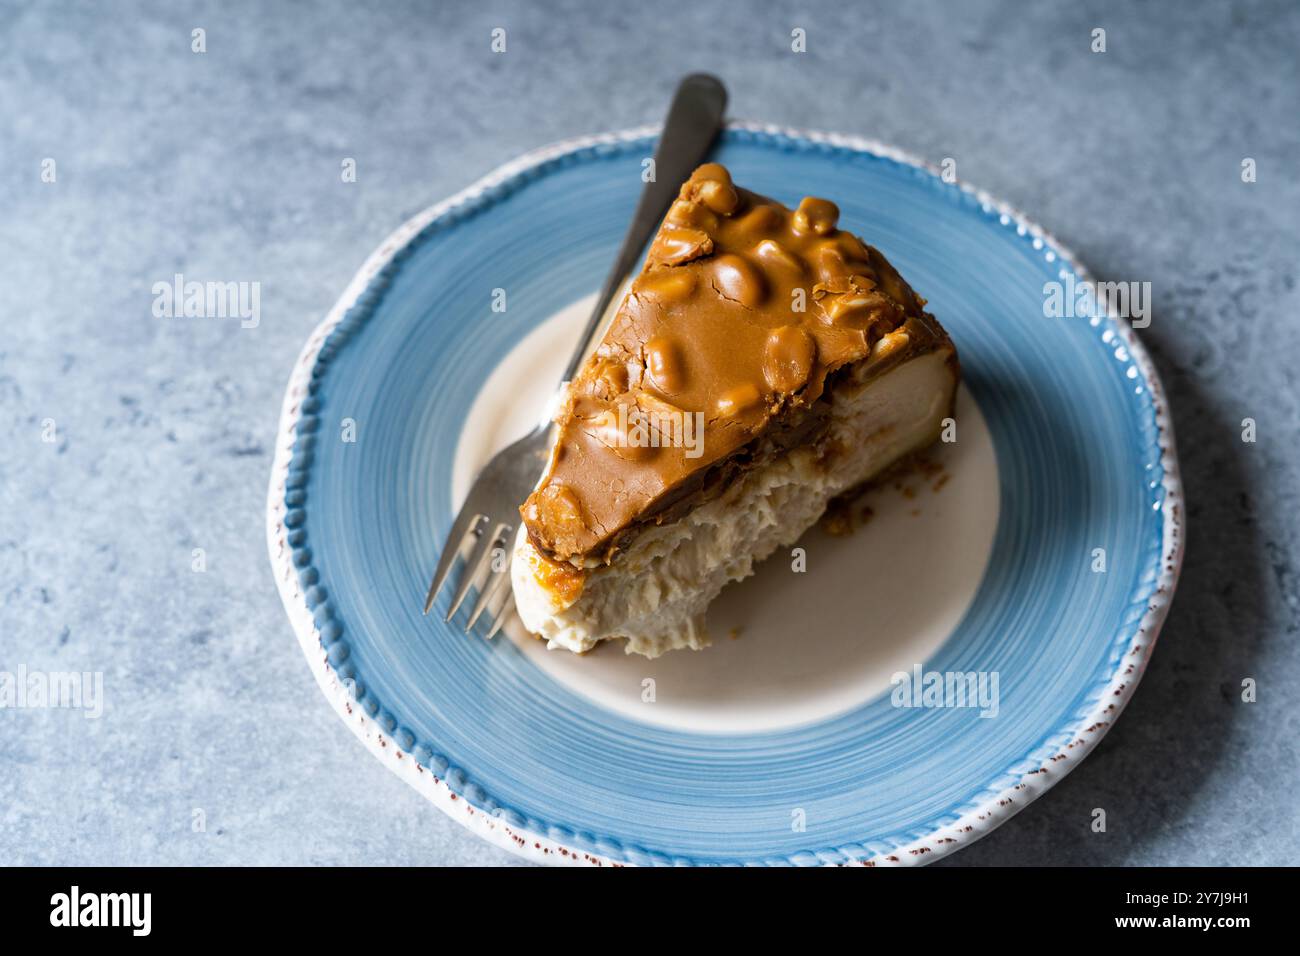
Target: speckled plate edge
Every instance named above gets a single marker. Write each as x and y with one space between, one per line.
942 840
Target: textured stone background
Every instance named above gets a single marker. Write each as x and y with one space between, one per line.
226 165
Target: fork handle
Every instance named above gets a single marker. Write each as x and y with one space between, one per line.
693 121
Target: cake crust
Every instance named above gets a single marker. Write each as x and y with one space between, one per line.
744 316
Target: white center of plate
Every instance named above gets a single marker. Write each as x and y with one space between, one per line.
808 645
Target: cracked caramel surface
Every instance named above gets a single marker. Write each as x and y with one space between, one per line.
742 311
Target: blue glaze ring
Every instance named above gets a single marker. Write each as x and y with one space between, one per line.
1085 456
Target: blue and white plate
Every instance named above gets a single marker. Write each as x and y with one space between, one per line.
915 685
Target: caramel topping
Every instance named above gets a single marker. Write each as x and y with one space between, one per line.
718 196
738 279
668 286
626 436
561 579
665 365
738 400
816 217
776 257
743 309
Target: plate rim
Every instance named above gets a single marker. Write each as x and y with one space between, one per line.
311 617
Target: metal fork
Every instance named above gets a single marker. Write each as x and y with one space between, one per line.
491 509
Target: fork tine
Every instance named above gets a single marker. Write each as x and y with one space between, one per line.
466 521
506 610
482 551
492 586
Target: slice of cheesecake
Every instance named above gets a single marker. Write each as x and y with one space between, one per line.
762 363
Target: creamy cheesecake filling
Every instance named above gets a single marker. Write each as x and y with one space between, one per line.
654 593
